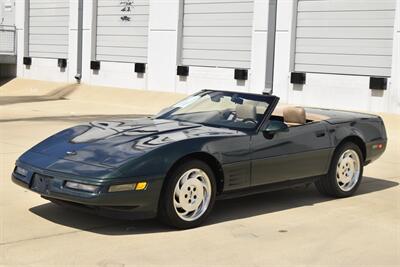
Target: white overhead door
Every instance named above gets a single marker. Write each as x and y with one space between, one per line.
217 33
122 30
48 28
345 36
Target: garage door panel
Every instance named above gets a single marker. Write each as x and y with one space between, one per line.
216 63
118 31
48 48
48 28
373 43
347 15
239 7
320 68
116 10
41 54
344 60
215 1
45 39
110 21
49 12
216 43
345 50
346 47
345 5
217 33
216 54
108 40
240 32
104 3
357 34
344 32
121 51
124 58
219 19
346 23
46 21
37 4
122 30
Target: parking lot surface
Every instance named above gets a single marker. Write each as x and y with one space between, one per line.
296 227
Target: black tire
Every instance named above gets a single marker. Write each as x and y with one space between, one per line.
166 209
328 185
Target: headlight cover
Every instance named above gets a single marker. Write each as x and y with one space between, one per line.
21 171
82 187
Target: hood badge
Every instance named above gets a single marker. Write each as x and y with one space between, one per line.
71 153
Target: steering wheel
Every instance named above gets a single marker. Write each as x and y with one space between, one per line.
249 120
228 113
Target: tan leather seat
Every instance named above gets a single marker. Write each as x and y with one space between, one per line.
246 112
294 116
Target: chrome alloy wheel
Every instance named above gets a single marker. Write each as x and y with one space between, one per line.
348 170
192 195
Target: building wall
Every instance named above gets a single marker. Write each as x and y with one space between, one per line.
165 50
7 12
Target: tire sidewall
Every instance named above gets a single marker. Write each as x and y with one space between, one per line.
166 208
333 168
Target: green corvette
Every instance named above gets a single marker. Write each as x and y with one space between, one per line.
213 144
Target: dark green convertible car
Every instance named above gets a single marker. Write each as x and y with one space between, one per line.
214 144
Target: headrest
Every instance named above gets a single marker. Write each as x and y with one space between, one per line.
246 112
294 115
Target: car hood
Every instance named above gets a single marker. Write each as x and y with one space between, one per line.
111 143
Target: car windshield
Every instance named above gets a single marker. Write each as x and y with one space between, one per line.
220 109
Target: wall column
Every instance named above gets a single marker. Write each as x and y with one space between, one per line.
163 44
259 46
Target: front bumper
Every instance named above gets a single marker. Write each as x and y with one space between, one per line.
128 204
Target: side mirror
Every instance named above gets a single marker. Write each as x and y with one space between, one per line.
275 127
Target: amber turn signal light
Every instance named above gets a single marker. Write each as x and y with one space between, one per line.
141 186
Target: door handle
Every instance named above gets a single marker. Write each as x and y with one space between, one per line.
320 134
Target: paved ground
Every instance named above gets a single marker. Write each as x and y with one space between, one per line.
290 227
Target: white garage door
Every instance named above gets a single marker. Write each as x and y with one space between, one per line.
217 33
48 28
122 30
345 36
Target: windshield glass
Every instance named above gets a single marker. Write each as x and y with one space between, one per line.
220 109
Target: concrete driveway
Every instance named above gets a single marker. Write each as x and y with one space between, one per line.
294 227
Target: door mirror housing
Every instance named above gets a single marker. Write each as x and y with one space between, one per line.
275 127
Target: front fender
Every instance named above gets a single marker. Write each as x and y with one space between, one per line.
158 161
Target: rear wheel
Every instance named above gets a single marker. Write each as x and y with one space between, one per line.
188 196
345 173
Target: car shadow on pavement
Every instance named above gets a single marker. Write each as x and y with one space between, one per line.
57 94
224 210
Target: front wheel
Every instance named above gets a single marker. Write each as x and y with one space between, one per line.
345 173
188 196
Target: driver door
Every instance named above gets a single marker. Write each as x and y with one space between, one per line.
293 153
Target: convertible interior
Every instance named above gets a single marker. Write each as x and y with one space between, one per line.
295 116
290 115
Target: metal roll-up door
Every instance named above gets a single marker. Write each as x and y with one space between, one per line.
48 28
217 33
345 36
122 30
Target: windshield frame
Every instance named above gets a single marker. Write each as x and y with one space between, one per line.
271 100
